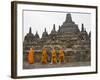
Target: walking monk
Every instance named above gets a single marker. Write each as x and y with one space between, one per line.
44 56
61 56
31 56
54 57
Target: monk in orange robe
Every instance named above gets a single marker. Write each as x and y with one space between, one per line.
31 56
44 56
54 57
61 56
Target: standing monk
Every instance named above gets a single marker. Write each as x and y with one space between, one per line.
44 56
61 56
54 57
31 56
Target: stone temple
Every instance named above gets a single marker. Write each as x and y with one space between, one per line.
75 43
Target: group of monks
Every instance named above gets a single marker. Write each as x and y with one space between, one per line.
44 56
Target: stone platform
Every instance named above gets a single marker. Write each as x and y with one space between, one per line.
39 65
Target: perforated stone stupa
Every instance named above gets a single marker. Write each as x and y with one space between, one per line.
75 43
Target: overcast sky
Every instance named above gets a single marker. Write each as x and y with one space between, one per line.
38 20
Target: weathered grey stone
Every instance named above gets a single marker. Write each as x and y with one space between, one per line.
75 43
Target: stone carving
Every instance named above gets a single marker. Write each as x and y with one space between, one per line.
75 43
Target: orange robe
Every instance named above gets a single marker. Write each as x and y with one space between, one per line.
54 57
61 56
31 56
44 57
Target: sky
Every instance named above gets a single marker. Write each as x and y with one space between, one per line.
39 20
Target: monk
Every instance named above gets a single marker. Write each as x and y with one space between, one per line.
44 56
54 57
61 56
31 56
